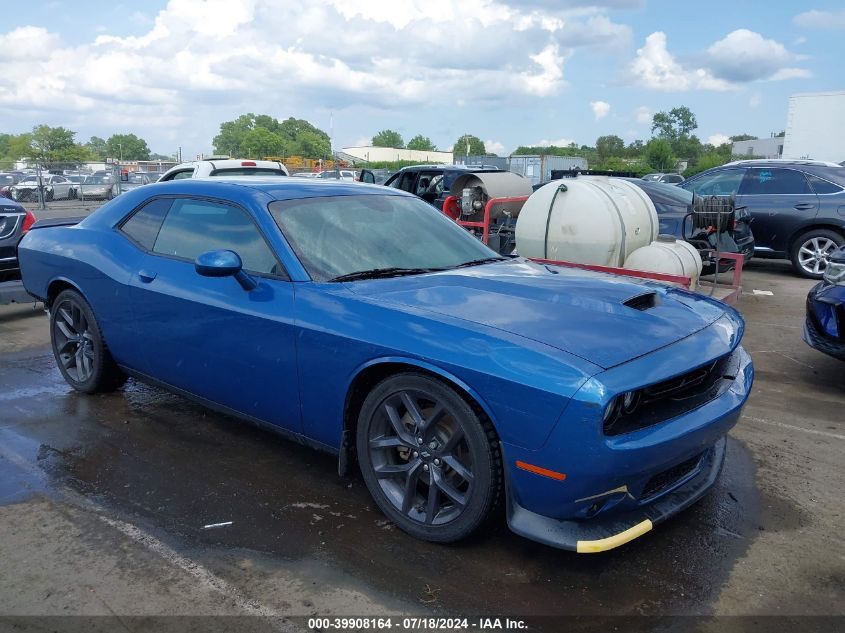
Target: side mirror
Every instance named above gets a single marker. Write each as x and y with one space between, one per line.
224 263
367 176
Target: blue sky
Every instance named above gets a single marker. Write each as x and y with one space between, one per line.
510 71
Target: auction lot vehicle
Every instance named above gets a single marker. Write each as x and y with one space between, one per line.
359 320
796 206
824 327
224 167
15 221
6 181
433 182
54 186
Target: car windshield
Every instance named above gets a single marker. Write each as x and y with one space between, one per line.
7 180
96 180
340 235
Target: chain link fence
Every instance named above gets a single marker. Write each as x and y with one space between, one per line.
69 186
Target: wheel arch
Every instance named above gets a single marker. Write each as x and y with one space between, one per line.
815 226
371 373
56 286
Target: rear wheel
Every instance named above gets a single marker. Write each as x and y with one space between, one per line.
431 462
78 346
811 251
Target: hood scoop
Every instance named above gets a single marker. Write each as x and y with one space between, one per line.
643 302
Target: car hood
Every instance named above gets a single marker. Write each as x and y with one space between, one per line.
576 311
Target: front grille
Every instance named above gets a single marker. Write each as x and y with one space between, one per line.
670 477
673 397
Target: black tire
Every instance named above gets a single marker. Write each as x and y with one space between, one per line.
48 196
78 346
455 470
811 249
71 194
109 194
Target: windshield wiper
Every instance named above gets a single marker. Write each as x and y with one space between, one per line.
381 273
479 262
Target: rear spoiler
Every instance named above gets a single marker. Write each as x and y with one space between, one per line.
45 224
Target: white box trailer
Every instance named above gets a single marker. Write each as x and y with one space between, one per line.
815 126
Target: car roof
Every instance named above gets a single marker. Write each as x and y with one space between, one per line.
462 168
780 162
289 188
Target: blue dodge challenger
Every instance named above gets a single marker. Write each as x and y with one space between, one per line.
359 320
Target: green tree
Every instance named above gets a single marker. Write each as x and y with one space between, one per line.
97 146
609 146
676 123
469 145
388 138
743 137
634 149
658 154
312 144
127 147
260 142
20 146
48 141
421 143
297 136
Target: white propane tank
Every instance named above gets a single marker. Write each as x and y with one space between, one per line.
667 255
587 220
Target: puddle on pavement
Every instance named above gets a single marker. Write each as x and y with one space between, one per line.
177 467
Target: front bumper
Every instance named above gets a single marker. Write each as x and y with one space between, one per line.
602 534
824 325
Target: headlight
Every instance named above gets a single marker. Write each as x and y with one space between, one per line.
835 271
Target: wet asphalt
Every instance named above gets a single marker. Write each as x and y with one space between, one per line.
767 539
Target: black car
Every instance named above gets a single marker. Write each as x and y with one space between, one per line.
797 207
432 183
15 220
674 208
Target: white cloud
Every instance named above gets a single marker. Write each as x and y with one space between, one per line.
754 100
743 56
561 142
209 61
829 20
643 115
600 109
718 139
494 147
740 57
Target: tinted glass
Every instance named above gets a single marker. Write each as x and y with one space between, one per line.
338 235
775 181
720 183
665 194
143 225
193 227
823 186
181 175
248 171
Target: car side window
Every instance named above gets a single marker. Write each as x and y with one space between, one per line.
822 186
406 181
193 227
722 183
143 225
179 175
765 180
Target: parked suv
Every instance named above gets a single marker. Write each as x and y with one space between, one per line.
432 182
797 207
224 167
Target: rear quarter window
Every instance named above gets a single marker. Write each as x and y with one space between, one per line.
143 225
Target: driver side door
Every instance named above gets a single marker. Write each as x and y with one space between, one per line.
208 335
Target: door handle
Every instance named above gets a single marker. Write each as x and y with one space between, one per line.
804 206
147 275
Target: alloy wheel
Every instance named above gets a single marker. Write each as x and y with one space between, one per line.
74 341
421 458
814 254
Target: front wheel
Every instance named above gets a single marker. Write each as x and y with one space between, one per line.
431 463
812 250
78 346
